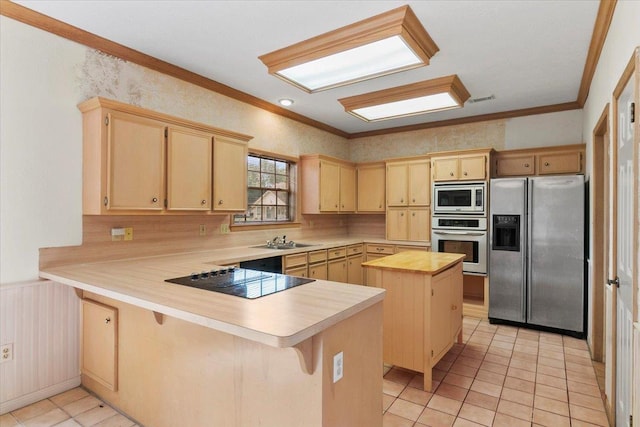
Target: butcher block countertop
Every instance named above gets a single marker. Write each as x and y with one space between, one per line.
282 319
417 261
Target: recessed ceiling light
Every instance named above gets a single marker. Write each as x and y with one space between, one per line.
286 102
439 94
387 43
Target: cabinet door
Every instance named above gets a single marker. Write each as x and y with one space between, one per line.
397 184
473 167
347 189
354 270
318 271
371 188
515 166
135 163
329 186
229 175
188 170
556 163
100 343
445 169
397 224
419 228
419 184
337 270
440 325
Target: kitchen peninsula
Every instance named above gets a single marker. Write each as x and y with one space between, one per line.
422 307
178 355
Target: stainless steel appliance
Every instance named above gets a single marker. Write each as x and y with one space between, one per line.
240 282
536 258
462 234
460 198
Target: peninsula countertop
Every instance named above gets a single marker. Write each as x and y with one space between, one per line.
283 319
417 261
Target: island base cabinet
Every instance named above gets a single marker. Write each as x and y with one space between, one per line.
422 316
179 373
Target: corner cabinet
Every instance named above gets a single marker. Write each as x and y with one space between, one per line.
137 161
328 185
563 159
371 187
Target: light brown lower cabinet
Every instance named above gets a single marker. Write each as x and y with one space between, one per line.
355 272
182 374
100 343
422 316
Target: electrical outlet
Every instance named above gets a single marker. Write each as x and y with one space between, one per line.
224 228
338 367
117 234
128 233
6 352
203 229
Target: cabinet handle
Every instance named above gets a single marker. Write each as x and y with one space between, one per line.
336 206
450 173
526 165
220 201
413 214
154 200
203 202
107 320
379 249
402 200
464 173
546 163
379 206
414 200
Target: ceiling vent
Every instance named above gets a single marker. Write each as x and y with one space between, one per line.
482 99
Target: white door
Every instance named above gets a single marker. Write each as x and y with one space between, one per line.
624 257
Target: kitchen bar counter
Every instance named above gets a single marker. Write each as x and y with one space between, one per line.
169 355
283 319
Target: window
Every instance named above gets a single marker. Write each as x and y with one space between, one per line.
269 192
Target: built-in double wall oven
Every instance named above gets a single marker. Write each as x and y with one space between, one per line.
459 223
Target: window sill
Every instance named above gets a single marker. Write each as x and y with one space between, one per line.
263 226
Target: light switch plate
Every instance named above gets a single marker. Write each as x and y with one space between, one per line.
338 367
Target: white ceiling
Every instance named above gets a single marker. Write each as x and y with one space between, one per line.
526 53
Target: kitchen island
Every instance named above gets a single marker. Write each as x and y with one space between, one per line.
422 307
169 355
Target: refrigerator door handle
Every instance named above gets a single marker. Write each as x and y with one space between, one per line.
529 238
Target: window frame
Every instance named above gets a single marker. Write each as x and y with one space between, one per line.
292 191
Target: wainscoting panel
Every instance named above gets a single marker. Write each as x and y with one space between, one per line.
40 320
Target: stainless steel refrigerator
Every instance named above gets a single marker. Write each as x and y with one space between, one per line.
536 256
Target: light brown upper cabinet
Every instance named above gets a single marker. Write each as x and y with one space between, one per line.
409 224
137 161
229 174
371 187
565 159
408 182
188 170
460 167
328 185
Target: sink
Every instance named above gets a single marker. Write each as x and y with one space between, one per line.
283 247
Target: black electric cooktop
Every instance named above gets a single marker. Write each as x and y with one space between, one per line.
240 282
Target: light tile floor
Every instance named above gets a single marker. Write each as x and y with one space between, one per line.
500 376
73 408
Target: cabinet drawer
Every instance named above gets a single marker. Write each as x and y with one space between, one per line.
401 248
317 256
354 249
297 271
340 252
295 260
380 249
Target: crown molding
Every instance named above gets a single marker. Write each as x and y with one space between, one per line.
59 28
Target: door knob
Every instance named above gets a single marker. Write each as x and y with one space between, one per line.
615 281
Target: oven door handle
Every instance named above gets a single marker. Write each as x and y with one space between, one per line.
459 233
